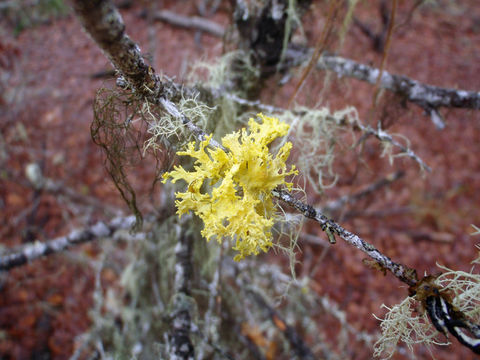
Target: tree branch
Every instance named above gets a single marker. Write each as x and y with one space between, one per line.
104 23
402 272
380 134
97 18
76 237
182 304
385 137
429 97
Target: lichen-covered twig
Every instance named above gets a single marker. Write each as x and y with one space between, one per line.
385 137
444 315
447 320
402 272
172 109
380 134
76 237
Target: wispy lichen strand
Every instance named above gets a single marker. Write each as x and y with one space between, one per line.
231 190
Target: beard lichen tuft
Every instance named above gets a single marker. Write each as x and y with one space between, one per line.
238 202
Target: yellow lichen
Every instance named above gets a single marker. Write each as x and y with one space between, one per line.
231 190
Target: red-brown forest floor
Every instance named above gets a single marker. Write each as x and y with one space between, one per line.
45 114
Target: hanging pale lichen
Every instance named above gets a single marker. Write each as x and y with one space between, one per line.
238 203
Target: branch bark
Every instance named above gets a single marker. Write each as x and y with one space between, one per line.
428 97
104 23
182 304
76 237
402 272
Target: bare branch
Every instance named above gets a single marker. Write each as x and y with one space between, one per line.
126 57
428 97
402 272
76 237
104 23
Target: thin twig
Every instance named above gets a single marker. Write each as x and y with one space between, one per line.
386 48
383 136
